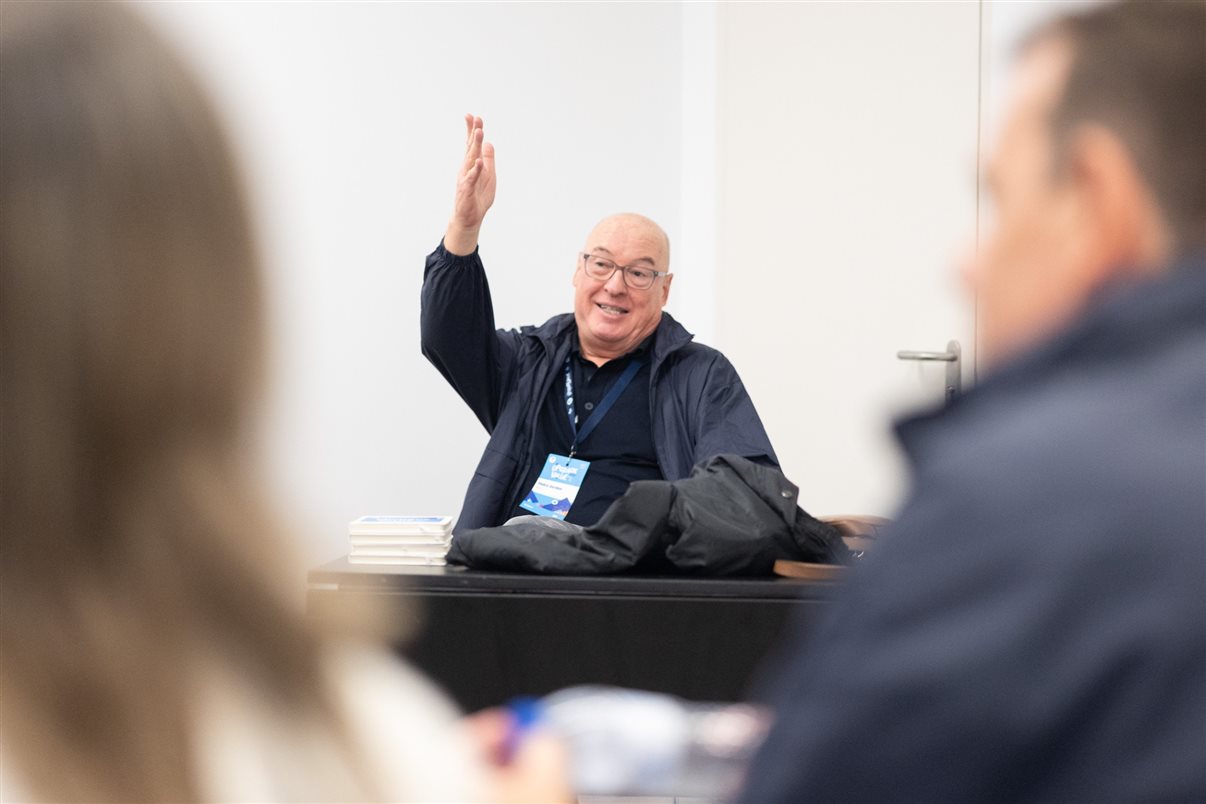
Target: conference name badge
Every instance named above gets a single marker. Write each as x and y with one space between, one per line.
557 487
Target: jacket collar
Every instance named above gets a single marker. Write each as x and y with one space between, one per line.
1125 320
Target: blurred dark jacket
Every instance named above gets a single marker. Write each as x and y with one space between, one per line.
700 407
1034 627
730 517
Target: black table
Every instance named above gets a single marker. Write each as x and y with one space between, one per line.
489 636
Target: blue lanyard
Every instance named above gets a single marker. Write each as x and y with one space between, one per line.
609 399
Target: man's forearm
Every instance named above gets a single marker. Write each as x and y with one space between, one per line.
456 324
460 240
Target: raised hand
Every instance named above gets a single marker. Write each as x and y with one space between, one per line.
475 184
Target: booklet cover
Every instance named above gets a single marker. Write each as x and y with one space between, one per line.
398 525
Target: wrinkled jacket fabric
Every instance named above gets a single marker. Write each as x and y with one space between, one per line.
729 517
699 406
1033 626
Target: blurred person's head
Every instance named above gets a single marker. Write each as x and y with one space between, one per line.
613 316
1099 174
136 554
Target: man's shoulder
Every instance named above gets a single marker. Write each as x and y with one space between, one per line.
693 362
1093 455
553 332
698 352
1064 492
675 341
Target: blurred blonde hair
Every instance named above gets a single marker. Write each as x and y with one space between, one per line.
135 550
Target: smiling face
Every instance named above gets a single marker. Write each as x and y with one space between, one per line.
613 318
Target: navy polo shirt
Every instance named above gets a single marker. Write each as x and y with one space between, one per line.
620 449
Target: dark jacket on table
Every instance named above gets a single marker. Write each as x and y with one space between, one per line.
1034 626
730 517
699 406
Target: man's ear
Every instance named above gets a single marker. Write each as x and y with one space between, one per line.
666 280
1121 223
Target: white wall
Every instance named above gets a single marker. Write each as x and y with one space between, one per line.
848 141
849 137
349 119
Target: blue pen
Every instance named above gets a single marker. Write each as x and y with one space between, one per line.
525 713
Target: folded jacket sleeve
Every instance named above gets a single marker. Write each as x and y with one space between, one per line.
458 334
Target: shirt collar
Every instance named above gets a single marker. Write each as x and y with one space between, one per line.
642 348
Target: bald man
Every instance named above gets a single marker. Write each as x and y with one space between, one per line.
586 403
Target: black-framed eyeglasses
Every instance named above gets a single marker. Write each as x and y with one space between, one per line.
637 277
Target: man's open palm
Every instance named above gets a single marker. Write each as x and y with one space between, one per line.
475 182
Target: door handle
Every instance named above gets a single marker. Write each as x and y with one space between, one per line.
952 357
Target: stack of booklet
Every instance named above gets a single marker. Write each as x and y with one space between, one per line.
408 540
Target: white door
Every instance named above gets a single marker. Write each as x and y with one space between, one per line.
847 153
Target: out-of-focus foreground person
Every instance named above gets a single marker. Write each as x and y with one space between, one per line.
1034 626
151 650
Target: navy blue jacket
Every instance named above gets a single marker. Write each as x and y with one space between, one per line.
1034 626
699 408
